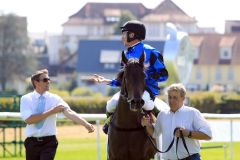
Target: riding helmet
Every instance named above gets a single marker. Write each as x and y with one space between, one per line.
136 27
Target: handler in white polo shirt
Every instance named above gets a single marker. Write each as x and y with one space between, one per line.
38 109
179 121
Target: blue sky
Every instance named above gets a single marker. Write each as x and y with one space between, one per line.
49 15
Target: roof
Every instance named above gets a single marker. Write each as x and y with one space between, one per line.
168 6
167 18
212 43
97 10
236 50
168 11
196 40
93 56
78 21
227 41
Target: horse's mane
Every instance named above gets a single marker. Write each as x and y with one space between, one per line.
120 75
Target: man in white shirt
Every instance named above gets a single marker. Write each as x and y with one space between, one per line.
189 121
39 109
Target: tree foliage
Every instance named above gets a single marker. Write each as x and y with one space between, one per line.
15 60
125 16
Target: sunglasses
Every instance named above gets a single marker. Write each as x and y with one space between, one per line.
44 80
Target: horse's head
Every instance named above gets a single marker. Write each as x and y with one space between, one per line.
133 81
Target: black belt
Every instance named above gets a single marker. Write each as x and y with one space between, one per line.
40 139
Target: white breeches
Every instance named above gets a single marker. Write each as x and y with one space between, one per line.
112 103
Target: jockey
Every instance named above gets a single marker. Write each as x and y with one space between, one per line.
133 32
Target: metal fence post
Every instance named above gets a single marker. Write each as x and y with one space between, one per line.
231 139
225 151
98 140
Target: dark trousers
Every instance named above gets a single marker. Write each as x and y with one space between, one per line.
195 156
43 148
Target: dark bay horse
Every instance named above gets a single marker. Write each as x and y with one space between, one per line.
127 138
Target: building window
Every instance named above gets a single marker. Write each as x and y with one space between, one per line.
235 29
112 19
230 74
225 53
198 75
196 53
218 76
109 58
109 66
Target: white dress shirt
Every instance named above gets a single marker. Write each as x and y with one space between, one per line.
185 117
28 107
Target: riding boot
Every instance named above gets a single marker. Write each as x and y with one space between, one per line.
105 128
107 122
155 111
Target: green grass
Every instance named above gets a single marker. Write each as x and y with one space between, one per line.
86 149
218 153
80 149
71 149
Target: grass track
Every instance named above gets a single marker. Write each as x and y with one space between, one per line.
76 144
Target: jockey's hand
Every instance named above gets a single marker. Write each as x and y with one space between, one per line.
146 121
99 79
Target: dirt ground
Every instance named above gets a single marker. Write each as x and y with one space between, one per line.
75 131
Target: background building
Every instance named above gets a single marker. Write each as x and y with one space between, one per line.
216 55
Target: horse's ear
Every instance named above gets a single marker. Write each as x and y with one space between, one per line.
124 58
142 58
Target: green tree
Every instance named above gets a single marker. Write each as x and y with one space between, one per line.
15 60
125 16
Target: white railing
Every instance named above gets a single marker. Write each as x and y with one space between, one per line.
231 118
9 116
16 116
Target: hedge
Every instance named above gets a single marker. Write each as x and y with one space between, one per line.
215 102
206 102
87 104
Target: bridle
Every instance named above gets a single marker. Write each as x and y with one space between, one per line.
133 103
124 94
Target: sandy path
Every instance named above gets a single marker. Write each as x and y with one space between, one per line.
75 131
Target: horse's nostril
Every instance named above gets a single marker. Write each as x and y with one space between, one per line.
138 102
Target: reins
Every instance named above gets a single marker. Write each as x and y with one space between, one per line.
172 142
169 147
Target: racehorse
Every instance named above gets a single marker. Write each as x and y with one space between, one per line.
127 139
